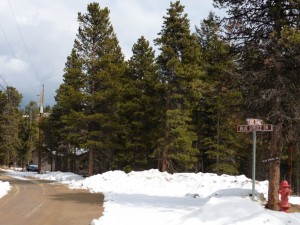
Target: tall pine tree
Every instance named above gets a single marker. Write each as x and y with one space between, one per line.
103 65
139 111
10 118
180 72
70 99
28 133
219 105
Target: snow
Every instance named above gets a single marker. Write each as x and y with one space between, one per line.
4 188
152 197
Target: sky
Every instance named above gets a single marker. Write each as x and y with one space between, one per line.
151 197
36 36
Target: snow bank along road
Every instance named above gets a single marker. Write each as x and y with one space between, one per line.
36 202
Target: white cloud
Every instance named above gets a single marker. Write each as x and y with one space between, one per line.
12 65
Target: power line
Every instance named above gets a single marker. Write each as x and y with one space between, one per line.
3 80
23 41
14 55
7 90
2 87
11 49
25 46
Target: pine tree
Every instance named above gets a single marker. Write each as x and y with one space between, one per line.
62 130
70 99
180 73
219 105
28 133
139 107
9 125
53 137
70 93
103 65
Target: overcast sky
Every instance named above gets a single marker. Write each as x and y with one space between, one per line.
36 36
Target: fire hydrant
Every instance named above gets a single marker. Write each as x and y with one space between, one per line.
284 190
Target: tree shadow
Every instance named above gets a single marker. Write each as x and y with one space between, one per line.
81 197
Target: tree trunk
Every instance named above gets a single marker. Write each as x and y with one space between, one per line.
69 158
51 162
297 169
91 163
56 162
274 168
165 153
164 161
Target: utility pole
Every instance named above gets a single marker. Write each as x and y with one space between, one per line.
40 131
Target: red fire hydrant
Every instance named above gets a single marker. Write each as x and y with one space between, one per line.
284 190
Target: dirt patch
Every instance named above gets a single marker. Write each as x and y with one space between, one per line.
294 208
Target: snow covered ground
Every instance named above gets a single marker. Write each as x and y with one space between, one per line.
151 197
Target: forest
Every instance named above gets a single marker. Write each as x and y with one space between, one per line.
175 108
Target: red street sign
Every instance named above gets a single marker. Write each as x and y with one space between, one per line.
251 128
254 122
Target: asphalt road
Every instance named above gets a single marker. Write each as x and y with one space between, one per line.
38 202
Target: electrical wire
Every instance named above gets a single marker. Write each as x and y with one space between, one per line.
25 47
3 80
5 90
2 87
14 55
23 41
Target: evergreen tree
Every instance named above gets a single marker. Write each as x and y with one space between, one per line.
70 93
28 133
53 138
180 73
9 125
103 65
62 129
219 105
70 99
266 36
139 107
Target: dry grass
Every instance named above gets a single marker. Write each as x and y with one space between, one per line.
294 208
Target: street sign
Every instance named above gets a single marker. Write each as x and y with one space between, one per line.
254 122
271 159
251 128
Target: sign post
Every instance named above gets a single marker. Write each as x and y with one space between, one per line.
253 164
253 126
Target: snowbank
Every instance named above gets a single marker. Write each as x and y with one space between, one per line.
152 197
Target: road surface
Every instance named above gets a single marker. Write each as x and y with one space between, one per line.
38 202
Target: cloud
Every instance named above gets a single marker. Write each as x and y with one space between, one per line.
12 65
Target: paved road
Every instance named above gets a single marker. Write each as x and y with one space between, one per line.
37 202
